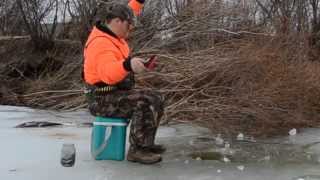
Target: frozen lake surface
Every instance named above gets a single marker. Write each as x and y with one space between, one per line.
193 153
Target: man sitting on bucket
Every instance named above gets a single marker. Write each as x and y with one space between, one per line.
109 76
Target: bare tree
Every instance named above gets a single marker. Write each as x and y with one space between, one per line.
36 16
10 19
82 14
315 15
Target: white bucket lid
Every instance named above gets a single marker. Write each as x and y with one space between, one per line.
110 124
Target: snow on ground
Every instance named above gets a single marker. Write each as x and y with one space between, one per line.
34 153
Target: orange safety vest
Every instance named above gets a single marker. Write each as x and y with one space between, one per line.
104 54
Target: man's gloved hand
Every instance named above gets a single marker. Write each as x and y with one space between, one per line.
137 65
150 64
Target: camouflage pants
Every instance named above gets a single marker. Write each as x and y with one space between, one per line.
143 108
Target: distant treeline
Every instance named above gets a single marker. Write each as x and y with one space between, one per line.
46 20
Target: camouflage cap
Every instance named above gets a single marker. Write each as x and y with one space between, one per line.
107 11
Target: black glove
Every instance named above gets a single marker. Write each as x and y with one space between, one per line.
127 83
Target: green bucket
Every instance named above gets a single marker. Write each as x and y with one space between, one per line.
108 140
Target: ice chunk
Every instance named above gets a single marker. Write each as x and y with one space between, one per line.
198 159
225 159
267 158
191 143
309 156
241 168
219 171
252 139
219 140
240 137
227 145
293 132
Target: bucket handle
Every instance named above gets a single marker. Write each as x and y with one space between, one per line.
97 152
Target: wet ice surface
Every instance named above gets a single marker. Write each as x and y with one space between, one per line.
34 153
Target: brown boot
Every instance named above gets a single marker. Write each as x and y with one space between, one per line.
143 156
157 148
